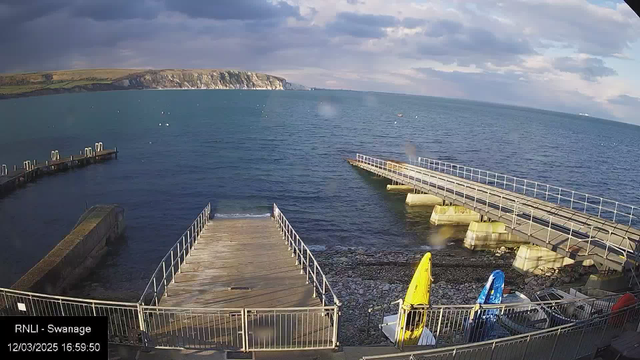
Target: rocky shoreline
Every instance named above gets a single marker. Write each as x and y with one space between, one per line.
373 279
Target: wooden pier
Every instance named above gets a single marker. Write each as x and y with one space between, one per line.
240 284
240 263
32 169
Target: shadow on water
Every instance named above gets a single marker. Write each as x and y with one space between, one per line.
416 219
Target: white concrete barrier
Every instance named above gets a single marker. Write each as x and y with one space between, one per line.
453 215
490 235
422 200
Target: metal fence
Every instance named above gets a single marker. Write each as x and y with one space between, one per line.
569 341
527 222
246 329
124 318
460 324
589 204
291 328
194 328
307 262
171 263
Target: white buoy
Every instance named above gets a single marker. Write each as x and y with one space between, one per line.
160 124
395 122
162 112
167 124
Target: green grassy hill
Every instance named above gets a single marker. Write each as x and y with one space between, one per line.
55 82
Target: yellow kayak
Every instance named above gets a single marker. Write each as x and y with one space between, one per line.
417 294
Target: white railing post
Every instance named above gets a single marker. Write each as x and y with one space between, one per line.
164 279
555 343
178 243
245 331
184 249
335 325
573 193
324 290
600 208
173 273
155 289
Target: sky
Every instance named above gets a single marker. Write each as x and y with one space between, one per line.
574 56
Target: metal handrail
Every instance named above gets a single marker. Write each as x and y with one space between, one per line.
577 201
456 319
505 205
176 257
298 250
65 298
603 321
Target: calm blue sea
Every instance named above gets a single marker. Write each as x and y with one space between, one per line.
244 150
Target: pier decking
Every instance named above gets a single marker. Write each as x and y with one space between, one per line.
249 284
240 263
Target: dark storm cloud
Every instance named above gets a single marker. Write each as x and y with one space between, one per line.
453 42
625 100
19 11
590 69
234 10
102 10
361 25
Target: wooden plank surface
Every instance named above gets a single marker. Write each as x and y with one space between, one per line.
240 263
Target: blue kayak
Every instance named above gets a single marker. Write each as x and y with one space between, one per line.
482 325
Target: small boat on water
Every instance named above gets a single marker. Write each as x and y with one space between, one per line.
400 115
414 332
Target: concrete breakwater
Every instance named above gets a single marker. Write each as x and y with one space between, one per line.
77 253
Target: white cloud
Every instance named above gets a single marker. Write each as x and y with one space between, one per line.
540 53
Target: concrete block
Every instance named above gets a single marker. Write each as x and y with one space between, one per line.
609 282
77 253
531 257
490 235
400 188
422 200
453 215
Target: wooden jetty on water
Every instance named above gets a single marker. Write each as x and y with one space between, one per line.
32 169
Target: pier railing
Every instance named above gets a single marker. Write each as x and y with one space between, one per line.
570 341
586 203
171 263
304 258
125 321
530 223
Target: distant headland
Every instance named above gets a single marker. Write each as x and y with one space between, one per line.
83 80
